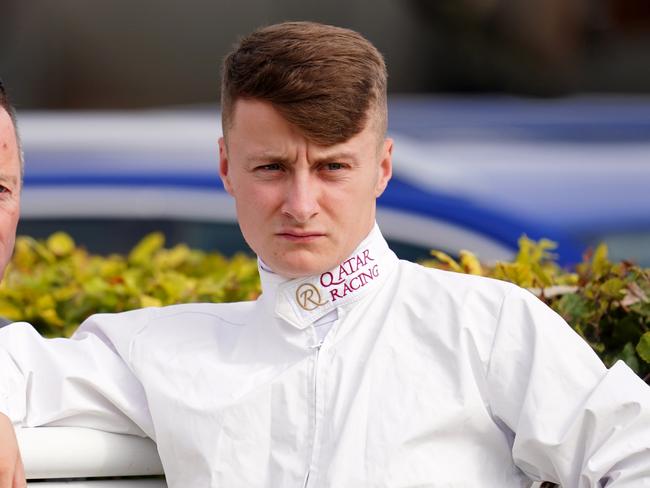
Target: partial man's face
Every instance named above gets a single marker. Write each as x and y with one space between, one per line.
9 188
303 208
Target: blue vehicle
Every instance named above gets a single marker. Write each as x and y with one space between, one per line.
574 170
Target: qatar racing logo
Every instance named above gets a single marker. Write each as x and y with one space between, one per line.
308 297
350 276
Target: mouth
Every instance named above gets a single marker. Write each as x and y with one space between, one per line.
300 236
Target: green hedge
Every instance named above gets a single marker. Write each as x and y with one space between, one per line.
606 303
54 285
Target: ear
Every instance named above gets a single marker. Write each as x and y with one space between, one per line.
224 166
385 167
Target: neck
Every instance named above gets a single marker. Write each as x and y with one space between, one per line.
302 301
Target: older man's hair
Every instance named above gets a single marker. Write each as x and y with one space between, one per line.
6 105
328 81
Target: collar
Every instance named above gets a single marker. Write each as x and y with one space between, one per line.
302 301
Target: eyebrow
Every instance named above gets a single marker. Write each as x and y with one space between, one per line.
336 157
266 156
12 180
326 158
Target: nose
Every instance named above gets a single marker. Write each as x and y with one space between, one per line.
301 198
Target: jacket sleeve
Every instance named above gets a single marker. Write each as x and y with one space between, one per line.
574 422
84 381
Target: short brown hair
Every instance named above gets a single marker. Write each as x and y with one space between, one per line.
325 80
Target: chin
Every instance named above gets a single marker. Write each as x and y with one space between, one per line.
299 266
301 271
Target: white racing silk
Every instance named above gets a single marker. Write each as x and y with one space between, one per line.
425 379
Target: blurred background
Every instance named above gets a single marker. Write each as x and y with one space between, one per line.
509 117
120 54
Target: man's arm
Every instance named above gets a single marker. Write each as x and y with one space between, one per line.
85 381
12 474
574 422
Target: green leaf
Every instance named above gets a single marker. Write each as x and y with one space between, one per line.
613 287
470 263
172 258
518 273
531 252
600 262
144 251
24 254
628 354
573 307
51 317
10 311
95 286
448 260
43 252
149 301
643 347
60 243
624 328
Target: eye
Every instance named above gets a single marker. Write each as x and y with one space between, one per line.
334 166
269 167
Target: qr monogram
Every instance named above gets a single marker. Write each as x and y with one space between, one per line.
308 297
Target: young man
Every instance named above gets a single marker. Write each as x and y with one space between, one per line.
353 369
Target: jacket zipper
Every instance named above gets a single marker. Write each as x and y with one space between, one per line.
315 413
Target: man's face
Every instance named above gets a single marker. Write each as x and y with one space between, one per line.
302 207
9 188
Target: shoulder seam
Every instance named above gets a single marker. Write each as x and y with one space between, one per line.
132 341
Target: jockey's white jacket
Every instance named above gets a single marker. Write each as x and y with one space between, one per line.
425 379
